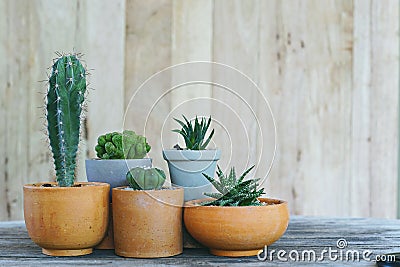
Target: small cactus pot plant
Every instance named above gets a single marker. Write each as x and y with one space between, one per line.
187 165
117 153
249 222
66 218
147 216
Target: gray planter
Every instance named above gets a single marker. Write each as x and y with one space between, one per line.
112 171
186 168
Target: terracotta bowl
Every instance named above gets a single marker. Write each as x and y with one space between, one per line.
236 231
66 221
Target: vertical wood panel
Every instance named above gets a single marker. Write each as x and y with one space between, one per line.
17 80
308 79
361 111
3 110
384 107
191 41
105 52
192 28
148 50
235 43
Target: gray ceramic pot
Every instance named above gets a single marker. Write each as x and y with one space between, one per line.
113 171
186 168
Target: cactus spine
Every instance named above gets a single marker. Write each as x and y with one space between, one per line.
67 87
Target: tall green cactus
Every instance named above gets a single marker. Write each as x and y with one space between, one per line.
67 87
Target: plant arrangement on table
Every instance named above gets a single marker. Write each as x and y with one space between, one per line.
66 218
249 221
147 216
117 152
187 165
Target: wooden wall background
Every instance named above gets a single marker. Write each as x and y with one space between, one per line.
330 70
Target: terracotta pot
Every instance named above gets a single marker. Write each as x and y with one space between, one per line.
108 240
66 221
147 224
236 231
113 172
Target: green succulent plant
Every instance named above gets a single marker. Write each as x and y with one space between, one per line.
194 134
140 178
233 191
125 145
65 97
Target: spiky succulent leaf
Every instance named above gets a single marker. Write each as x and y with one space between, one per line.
194 133
232 191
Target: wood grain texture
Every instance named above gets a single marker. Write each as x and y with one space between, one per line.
361 110
303 234
329 70
105 51
3 111
16 129
322 106
384 108
148 51
192 38
235 43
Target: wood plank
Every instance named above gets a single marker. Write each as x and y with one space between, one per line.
148 51
361 111
16 127
303 234
105 53
3 109
305 71
192 30
235 42
384 110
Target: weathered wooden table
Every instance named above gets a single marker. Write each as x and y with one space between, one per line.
346 242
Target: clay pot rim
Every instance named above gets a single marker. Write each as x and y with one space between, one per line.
275 203
122 188
38 186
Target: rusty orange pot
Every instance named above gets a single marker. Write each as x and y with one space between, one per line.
108 241
66 221
236 231
147 224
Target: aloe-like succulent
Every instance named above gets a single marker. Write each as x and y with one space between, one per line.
233 191
125 145
194 134
140 178
66 93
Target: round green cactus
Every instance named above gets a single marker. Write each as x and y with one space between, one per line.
125 145
140 178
